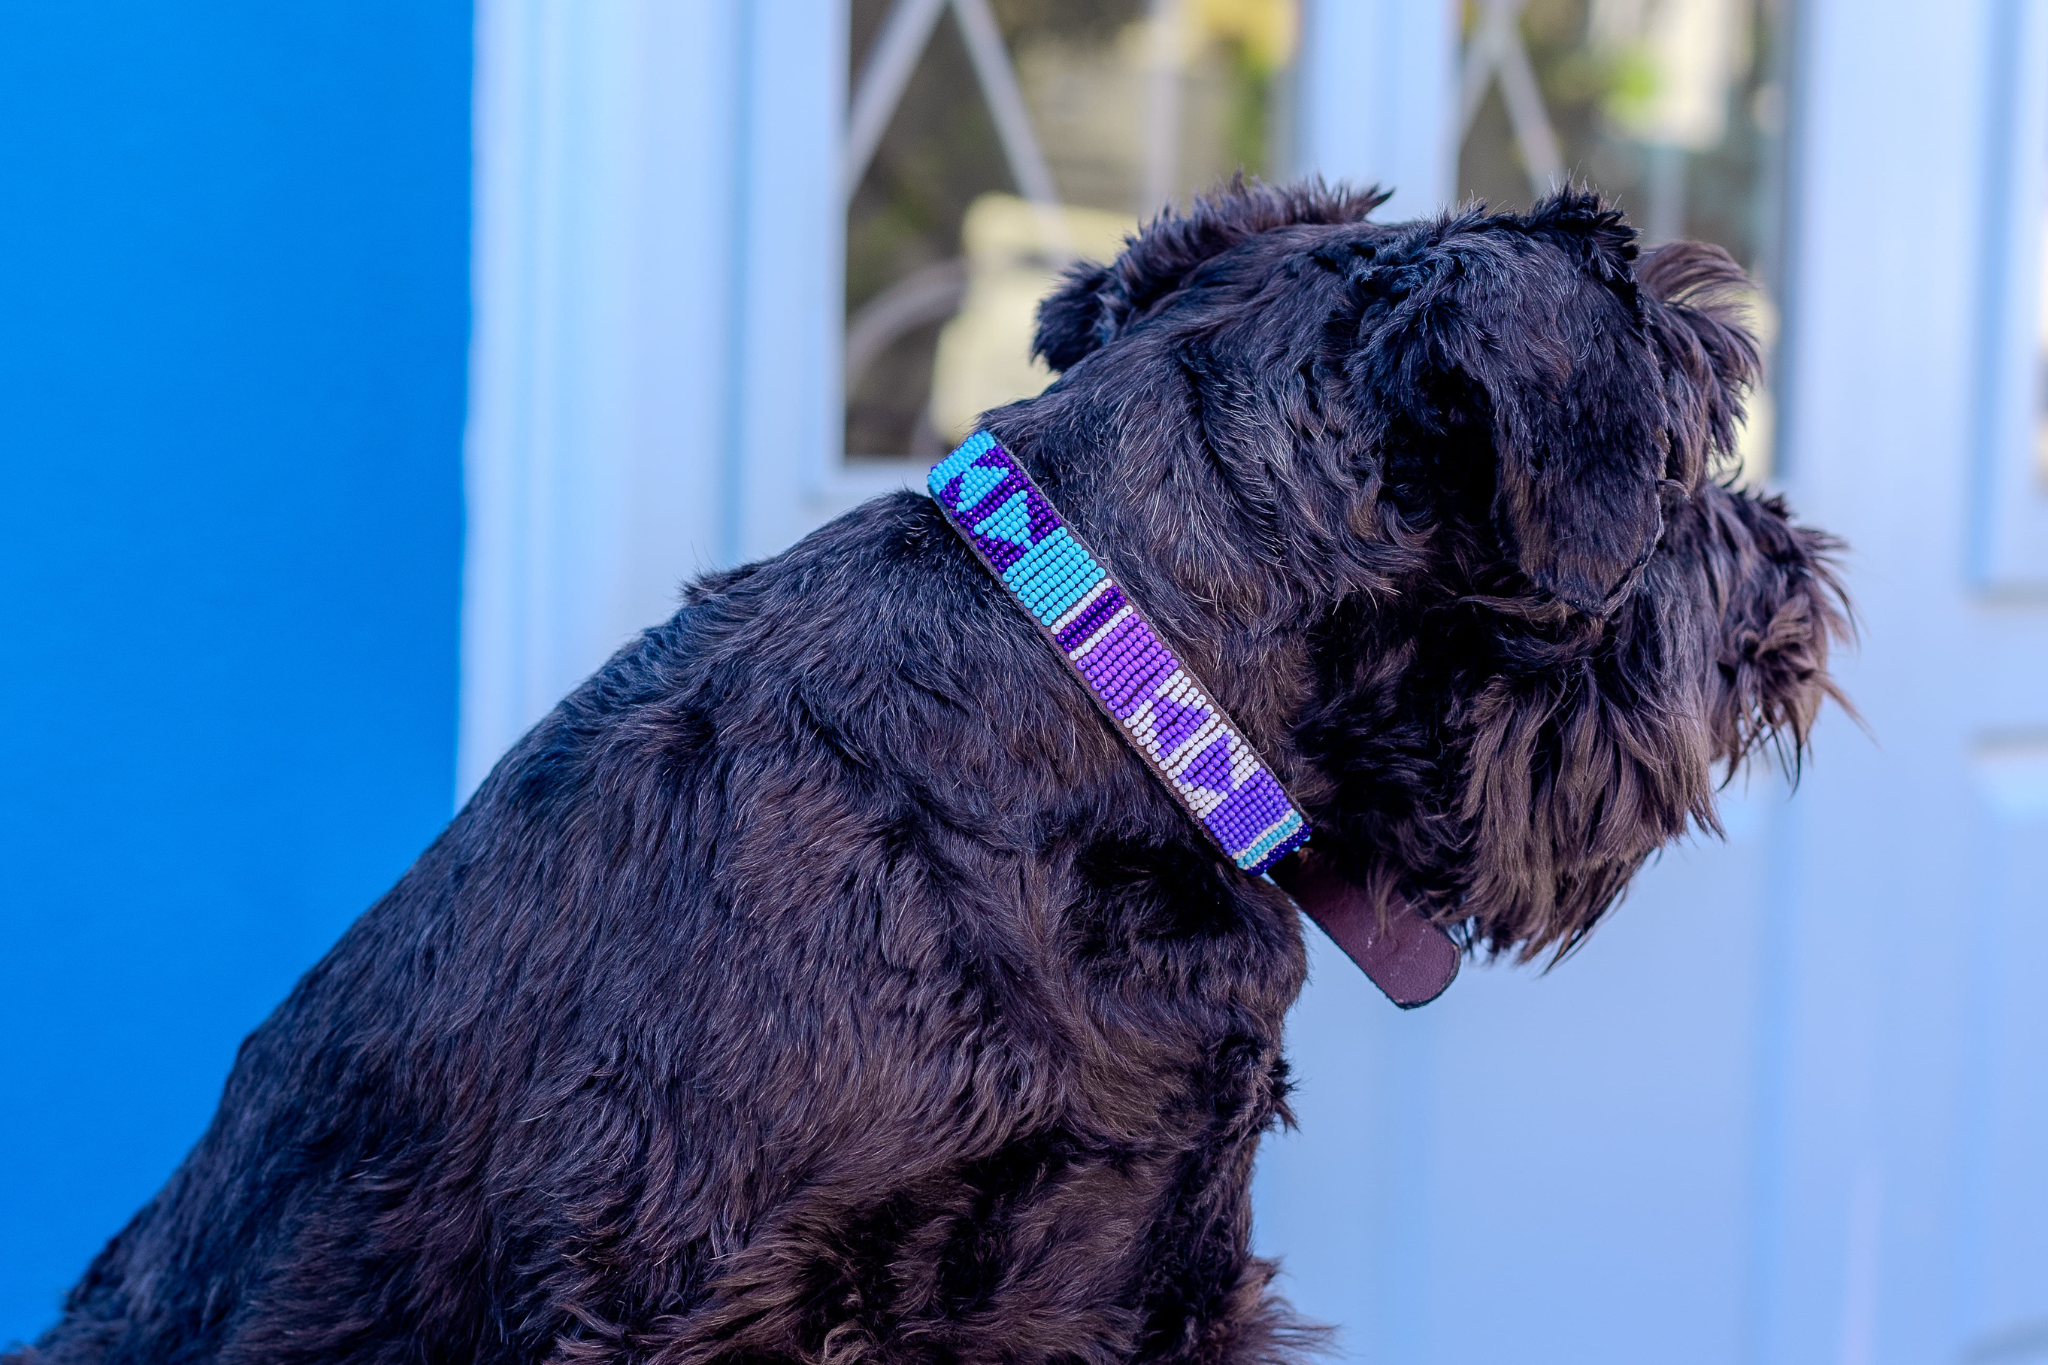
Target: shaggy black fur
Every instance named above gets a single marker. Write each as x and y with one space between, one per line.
825 981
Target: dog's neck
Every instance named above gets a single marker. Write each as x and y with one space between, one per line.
1157 703
1214 574
1169 719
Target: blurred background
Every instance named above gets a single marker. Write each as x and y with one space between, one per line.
369 372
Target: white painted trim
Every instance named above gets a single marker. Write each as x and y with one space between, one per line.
2010 545
655 364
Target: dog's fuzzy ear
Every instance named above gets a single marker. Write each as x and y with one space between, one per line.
1077 317
1529 327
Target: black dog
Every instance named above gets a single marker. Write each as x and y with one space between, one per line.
826 981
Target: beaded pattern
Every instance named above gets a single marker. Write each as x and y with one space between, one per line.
1174 724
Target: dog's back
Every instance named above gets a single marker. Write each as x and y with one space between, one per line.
743 1007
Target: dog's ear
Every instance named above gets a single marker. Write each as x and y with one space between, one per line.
1529 328
1077 317
1095 303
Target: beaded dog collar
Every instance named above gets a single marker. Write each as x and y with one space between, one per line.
1168 718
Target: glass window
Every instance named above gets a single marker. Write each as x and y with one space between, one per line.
1674 108
991 140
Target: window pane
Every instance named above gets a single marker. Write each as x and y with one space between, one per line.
1024 132
1674 108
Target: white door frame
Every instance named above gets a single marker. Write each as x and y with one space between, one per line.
655 365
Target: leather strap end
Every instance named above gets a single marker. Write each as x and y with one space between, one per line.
1411 960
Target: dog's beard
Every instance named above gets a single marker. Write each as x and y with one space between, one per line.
1784 609
1571 748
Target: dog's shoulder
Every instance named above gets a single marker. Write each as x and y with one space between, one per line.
879 634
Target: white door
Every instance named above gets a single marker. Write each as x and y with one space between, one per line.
1787 1106
1791 1104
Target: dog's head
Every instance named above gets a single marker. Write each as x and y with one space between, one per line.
1474 467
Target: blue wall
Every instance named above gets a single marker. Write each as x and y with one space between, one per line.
233 321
